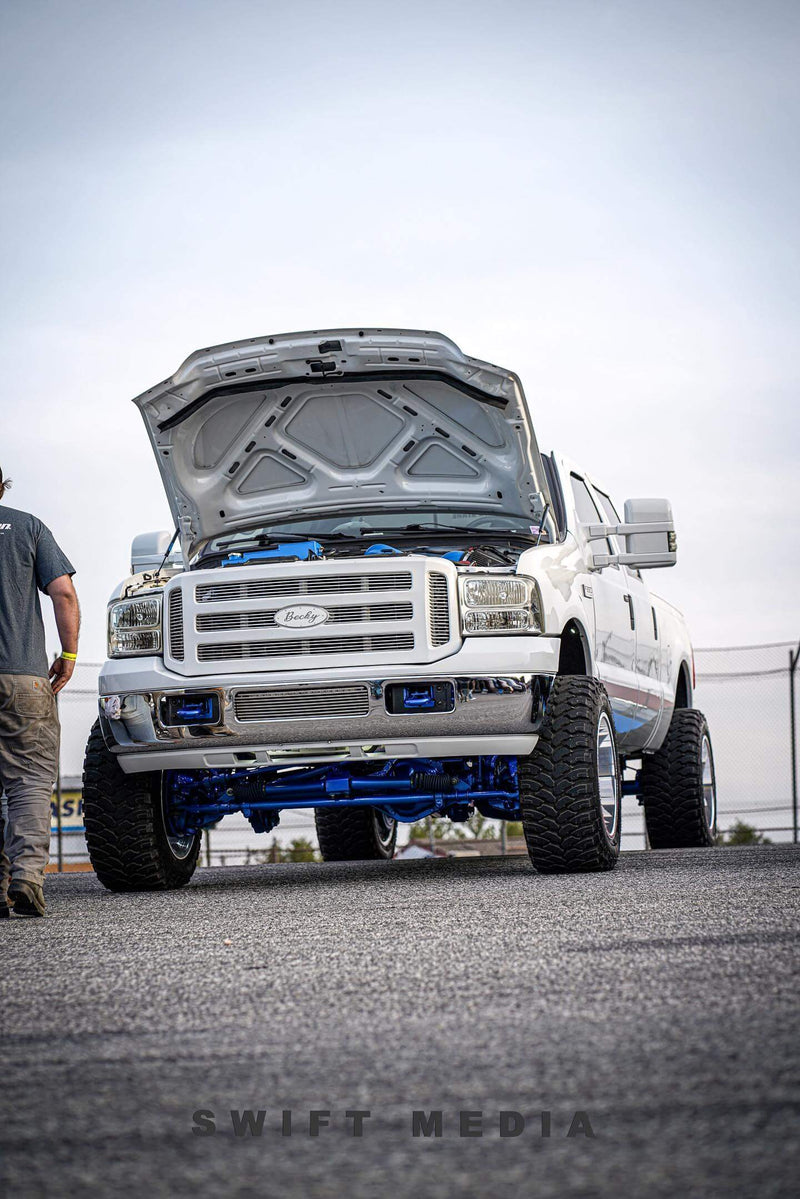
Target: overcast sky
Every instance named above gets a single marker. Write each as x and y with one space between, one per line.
600 196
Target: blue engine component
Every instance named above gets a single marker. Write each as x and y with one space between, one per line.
406 790
305 551
302 551
380 548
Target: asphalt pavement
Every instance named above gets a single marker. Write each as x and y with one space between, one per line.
655 1008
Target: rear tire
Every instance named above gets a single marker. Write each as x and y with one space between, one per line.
678 786
355 834
570 786
130 847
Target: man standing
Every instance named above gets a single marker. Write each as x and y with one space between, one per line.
30 562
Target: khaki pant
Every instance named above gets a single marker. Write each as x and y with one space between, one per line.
29 742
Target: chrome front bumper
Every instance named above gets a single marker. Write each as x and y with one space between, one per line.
490 714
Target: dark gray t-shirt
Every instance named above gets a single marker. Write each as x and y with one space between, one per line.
29 561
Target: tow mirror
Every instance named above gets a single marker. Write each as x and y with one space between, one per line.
648 534
148 550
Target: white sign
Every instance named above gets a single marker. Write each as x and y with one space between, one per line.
301 616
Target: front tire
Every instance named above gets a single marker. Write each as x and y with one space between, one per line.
355 834
130 846
570 786
678 786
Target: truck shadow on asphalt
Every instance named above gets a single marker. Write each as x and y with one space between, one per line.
634 868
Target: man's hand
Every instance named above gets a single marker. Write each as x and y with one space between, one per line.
60 673
68 619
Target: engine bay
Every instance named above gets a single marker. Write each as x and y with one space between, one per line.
461 551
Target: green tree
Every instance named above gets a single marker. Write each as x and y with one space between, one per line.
742 834
478 827
300 850
421 830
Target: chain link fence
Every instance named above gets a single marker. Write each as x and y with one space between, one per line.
745 691
747 694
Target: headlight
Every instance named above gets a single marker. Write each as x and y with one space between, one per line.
500 604
134 627
495 593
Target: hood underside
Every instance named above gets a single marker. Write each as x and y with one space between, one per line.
339 421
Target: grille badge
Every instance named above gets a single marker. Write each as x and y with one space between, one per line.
301 616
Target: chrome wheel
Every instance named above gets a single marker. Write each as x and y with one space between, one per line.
181 844
709 783
384 827
608 776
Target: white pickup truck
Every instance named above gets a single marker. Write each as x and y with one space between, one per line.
383 602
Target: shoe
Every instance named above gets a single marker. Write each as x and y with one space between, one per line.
26 898
5 910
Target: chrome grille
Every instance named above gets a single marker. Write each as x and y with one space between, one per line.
357 614
381 643
438 609
209 593
387 611
176 647
301 703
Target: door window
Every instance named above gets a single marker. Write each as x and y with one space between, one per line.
584 504
586 508
613 518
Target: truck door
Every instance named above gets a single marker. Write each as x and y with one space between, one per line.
615 641
647 654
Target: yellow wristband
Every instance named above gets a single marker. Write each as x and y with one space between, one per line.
69 657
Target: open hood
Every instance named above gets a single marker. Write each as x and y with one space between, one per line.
339 421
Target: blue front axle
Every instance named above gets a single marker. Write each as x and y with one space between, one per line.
406 790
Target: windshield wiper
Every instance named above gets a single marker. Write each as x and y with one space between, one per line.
456 529
281 537
312 537
460 529
273 540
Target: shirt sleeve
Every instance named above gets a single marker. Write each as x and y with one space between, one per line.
51 561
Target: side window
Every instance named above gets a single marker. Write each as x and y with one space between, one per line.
588 512
584 504
613 518
611 515
606 503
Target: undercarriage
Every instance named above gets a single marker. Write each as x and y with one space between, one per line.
405 791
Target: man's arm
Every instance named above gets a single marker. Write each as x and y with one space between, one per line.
68 622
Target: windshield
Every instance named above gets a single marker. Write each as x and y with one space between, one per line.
379 523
